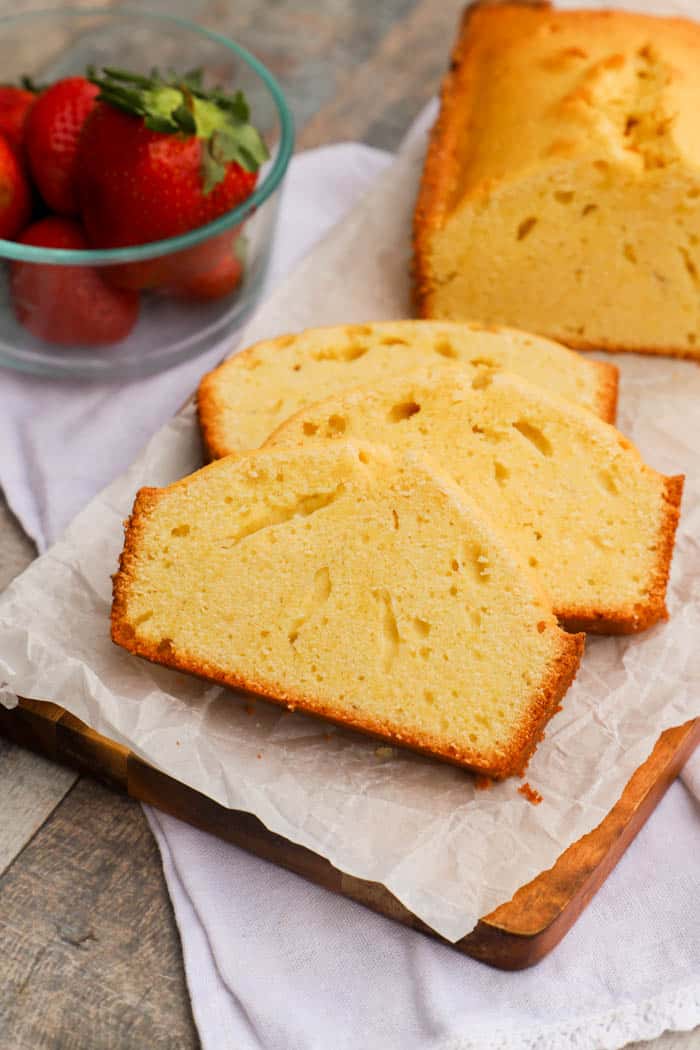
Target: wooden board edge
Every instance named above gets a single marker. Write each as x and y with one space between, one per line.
32 724
521 932
514 936
507 938
52 731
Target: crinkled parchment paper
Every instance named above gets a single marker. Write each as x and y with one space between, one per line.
450 853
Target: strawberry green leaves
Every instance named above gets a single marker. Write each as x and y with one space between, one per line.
241 144
181 105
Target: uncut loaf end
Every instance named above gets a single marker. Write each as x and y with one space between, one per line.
561 188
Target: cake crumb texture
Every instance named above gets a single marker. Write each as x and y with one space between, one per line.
569 492
242 401
254 572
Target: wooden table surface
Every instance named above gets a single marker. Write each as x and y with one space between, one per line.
89 952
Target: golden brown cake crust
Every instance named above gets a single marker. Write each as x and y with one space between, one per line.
608 390
209 415
441 168
122 631
545 702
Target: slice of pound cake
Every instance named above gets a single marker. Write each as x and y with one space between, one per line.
246 398
568 490
351 583
561 189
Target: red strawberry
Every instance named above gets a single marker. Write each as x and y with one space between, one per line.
157 159
52 131
15 194
215 283
68 305
165 271
15 103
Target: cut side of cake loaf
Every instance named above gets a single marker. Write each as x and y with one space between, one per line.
247 397
566 489
561 189
353 583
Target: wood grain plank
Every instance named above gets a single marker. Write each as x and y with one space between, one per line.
379 97
29 52
313 48
90 956
30 788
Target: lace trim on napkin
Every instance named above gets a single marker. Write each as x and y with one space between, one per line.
676 1011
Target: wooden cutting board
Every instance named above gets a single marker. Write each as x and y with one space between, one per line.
516 935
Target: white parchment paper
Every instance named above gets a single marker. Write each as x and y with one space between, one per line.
449 852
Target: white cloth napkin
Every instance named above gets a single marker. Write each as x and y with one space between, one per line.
275 963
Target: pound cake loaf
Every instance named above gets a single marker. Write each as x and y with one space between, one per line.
254 572
247 397
567 490
561 190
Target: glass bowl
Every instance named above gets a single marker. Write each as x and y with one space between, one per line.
48 45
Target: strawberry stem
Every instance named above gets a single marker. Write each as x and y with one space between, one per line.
29 84
129 78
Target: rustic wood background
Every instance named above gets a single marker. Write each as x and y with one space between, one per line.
89 952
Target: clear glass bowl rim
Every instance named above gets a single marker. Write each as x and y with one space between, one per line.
153 249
